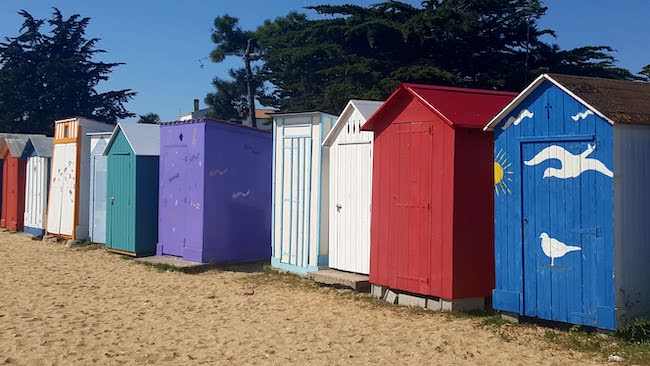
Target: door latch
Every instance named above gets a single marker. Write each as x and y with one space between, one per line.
112 201
338 207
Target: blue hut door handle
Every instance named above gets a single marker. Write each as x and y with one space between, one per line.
525 221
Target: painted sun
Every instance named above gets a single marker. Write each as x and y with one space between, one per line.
501 173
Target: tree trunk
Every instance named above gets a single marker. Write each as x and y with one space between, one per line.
249 85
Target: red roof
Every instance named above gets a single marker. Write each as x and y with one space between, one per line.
462 107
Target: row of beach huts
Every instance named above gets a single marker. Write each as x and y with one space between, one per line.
535 204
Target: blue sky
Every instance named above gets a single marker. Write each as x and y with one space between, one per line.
162 43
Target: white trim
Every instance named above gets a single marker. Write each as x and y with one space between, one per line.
353 104
529 90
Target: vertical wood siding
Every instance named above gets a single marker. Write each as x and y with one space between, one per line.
300 216
13 193
350 168
36 191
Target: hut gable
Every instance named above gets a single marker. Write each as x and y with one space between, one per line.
143 139
616 101
40 146
14 146
452 105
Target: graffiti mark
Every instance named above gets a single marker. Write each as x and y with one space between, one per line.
214 173
195 205
241 194
173 177
194 157
251 148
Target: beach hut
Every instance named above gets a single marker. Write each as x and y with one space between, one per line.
571 201
13 182
300 191
349 153
67 211
215 192
97 194
38 153
432 204
132 189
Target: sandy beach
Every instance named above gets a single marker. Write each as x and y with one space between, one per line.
75 306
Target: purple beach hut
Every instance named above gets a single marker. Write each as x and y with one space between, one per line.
215 192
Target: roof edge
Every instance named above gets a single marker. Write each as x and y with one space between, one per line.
528 91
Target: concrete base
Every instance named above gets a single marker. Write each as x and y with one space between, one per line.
51 239
425 302
334 277
377 291
510 317
176 262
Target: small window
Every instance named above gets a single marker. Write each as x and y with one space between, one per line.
66 131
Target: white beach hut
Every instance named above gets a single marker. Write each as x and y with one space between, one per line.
37 182
67 215
97 195
299 236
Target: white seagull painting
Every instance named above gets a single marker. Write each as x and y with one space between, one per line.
517 120
554 248
572 165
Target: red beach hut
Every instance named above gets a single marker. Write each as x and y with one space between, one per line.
13 182
432 220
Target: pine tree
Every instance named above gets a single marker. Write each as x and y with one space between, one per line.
52 75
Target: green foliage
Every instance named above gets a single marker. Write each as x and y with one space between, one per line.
51 75
149 118
645 72
639 331
366 51
228 101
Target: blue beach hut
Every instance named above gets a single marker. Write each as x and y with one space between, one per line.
571 201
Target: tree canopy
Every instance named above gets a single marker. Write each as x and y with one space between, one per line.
366 51
49 75
149 118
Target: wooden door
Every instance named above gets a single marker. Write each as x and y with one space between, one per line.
120 200
350 205
562 240
173 200
98 200
411 235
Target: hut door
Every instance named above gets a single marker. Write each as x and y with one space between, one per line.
98 204
60 217
120 212
411 241
174 183
350 244
68 196
560 231
297 247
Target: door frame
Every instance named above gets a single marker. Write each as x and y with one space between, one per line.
528 140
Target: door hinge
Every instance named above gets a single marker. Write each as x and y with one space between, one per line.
430 130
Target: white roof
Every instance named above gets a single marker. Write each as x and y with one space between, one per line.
144 138
365 107
527 92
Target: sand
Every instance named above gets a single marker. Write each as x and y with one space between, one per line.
71 306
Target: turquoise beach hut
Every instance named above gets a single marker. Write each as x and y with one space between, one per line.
132 189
